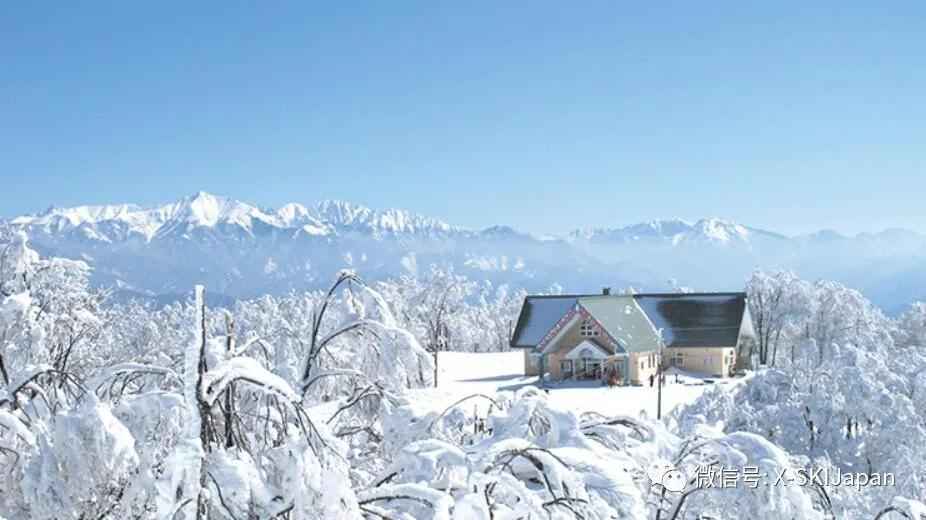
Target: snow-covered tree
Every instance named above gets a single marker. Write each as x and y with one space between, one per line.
911 326
778 302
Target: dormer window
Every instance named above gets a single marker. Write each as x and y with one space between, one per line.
588 329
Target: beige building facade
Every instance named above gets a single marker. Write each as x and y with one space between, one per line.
598 338
713 361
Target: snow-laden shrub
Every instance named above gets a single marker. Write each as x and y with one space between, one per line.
510 471
81 466
335 342
534 459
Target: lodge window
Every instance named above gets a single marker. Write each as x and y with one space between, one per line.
588 328
565 367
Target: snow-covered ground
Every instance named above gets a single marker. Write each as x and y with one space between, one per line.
464 373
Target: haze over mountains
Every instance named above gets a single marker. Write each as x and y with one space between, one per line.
241 250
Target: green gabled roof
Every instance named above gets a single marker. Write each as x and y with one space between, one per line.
624 320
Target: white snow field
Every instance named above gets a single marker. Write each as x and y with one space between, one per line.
465 373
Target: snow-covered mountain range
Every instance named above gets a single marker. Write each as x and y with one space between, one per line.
242 250
206 211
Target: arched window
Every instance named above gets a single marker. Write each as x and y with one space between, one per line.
588 328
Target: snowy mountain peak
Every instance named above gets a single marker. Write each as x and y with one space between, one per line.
673 231
662 228
718 230
202 210
205 209
355 217
78 215
342 212
292 212
505 233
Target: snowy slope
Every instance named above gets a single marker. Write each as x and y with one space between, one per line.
466 373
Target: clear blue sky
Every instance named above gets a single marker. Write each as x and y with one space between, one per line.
540 115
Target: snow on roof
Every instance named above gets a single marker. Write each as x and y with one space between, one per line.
696 319
538 316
